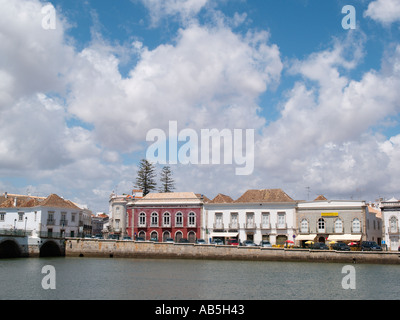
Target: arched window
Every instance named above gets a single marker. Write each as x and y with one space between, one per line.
154 219
179 220
321 225
393 224
142 234
142 219
338 226
304 226
154 236
356 226
166 219
192 219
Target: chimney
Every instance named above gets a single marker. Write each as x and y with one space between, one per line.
15 201
5 195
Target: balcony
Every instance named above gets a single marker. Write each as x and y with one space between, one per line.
51 222
64 223
250 225
233 226
218 226
265 226
280 226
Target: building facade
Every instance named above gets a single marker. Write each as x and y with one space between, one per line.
391 216
40 217
159 216
266 214
325 220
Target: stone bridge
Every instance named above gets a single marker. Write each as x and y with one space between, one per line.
21 245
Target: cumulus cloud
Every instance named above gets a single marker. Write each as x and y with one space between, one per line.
384 11
324 136
184 9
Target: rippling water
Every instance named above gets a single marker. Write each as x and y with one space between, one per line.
92 278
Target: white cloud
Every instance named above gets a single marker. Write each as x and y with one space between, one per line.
384 11
185 9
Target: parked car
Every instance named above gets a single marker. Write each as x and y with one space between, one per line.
217 242
265 244
113 236
169 240
126 238
154 239
183 240
370 246
200 241
233 242
319 246
340 246
140 239
249 243
98 236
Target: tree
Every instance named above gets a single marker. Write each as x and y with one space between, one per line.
167 182
145 177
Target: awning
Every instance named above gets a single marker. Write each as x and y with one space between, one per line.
344 237
223 234
305 237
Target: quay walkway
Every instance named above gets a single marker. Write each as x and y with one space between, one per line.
75 247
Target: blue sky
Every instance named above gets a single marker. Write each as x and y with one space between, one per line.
76 102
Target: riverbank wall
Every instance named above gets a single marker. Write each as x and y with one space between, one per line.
158 250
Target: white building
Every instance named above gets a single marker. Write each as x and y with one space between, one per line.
267 214
391 216
117 212
38 216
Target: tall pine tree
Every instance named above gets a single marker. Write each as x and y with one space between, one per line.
145 177
167 182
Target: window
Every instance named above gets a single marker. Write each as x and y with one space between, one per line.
178 236
393 224
192 219
321 225
2 216
338 226
142 219
116 224
265 220
234 220
166 219
179 219
281 220
356 225
20 216
218 221
304 226
250 220
73 217
154 219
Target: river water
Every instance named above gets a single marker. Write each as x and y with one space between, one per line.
141 279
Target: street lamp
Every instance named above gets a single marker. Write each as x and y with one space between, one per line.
26 218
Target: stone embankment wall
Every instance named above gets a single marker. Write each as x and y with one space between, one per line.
131 249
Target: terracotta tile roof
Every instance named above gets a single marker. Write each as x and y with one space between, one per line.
221 198
320 198
205 199
265 195
54 200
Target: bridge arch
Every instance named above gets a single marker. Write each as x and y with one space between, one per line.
10 249
50 249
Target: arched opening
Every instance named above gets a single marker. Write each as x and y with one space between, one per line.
9 249
166 235
178 236
192 237
50 249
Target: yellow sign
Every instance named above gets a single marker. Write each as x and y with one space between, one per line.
329 214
